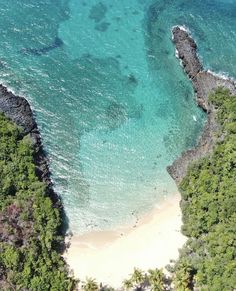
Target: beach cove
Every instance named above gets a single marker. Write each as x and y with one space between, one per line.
111 114
106 86
156 239
110 257
110 138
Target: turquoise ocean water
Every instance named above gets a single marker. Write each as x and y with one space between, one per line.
112 102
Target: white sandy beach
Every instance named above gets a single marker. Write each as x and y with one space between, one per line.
110 257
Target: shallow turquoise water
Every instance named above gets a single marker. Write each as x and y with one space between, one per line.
113 105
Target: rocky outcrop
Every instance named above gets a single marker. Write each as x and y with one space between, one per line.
187 52
204 83
19 111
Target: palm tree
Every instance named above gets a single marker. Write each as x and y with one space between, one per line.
128 284
183 278
90 285
138 277
156 280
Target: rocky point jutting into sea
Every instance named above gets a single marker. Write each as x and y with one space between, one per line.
19 111
204 83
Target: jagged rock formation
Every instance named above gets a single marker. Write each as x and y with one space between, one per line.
204 82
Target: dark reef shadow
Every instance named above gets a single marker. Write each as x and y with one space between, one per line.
132 79
116 114
42 51
98 12
103 26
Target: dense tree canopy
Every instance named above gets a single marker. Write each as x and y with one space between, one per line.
209 208
29 222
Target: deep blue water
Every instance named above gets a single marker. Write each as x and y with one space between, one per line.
112 102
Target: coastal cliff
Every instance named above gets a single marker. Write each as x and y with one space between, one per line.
19 111
204 83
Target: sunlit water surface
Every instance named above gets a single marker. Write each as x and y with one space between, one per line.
112 102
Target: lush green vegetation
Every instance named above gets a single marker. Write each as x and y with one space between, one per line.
153 279
29 222
208 260
209 210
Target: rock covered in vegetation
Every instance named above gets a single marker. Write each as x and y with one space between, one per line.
204 83
208 191
19 111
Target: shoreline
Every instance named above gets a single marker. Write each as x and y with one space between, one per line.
147 245
151 243
204 83
111 256
18 110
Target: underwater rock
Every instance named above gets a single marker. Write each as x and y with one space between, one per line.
116 114
98 12
103 26
153 13
115 110
42 51
132 79
137 111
